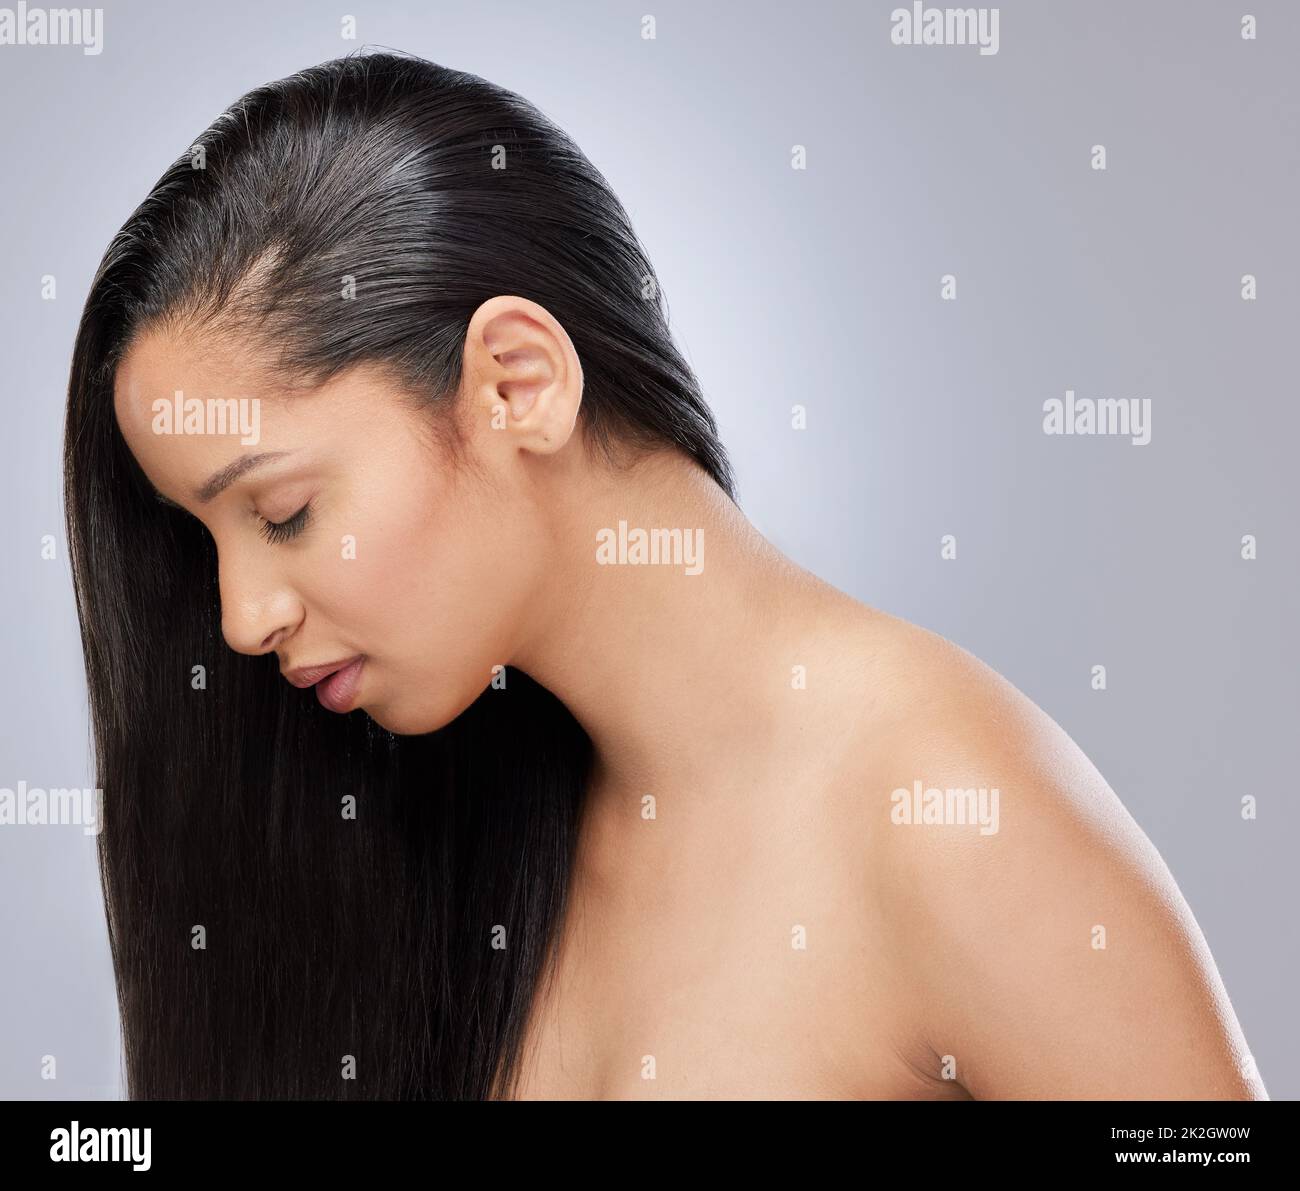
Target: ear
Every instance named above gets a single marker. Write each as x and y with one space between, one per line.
523 376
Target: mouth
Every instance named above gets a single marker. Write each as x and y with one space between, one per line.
336 683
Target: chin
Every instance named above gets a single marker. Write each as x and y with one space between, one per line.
411 721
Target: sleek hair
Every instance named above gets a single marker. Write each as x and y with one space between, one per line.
414 936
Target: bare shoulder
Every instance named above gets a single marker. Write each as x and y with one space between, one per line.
1047 949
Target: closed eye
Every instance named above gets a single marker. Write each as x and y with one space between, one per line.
282 531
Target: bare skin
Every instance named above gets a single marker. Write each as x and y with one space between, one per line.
746 919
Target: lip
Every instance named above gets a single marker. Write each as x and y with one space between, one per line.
306 676
338 692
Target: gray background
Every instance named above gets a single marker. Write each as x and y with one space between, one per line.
818 287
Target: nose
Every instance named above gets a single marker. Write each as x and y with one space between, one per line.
259 607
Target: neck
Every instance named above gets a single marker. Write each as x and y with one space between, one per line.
669 672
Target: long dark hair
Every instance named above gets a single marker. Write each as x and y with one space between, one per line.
324 936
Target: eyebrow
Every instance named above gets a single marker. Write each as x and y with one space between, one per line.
221 479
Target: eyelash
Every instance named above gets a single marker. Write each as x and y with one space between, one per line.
282 531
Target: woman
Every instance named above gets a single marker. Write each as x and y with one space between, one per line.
597 794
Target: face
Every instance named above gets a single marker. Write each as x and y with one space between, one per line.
350 533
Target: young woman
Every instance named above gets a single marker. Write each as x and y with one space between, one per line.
460 737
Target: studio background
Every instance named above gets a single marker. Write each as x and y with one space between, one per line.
818 287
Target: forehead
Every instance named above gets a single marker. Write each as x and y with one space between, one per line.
185 407
159 364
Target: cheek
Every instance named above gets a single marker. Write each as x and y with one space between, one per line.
355 579
439 628
453 581
402 573
435 592
453 578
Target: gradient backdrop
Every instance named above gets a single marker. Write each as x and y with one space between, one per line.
818 287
